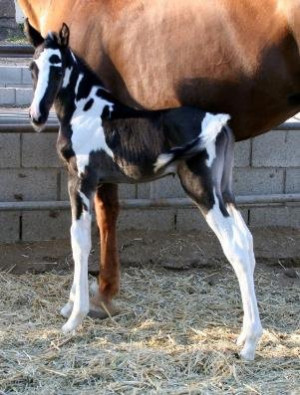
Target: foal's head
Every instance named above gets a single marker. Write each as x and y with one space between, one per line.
47 71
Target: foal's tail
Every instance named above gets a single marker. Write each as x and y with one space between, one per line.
212 126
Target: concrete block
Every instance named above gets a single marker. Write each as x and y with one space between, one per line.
167 187
24 96
277 149
46 225
7 96
143 190
242 153
188 219
10 150
28 185
159 219
10 75
192 219
9 227
8 26
292 181
64 195
127 191
275 216
26 76
39 150
258 181
7 9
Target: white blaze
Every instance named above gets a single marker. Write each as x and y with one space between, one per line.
43 64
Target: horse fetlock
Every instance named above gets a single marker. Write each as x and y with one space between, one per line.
249 337
74 321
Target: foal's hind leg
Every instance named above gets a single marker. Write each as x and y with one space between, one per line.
201 177
81 246
240 224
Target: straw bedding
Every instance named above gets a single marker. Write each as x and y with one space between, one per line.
175 335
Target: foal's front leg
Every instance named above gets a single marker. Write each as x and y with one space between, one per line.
81 247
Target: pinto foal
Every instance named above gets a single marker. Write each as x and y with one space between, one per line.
103 141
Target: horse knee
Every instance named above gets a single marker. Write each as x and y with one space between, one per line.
81 235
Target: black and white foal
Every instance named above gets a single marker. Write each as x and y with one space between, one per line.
103 141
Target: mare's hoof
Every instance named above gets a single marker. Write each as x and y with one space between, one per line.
102 310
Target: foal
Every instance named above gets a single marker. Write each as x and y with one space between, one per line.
103 141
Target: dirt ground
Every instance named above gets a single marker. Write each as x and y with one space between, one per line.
180 313
273 246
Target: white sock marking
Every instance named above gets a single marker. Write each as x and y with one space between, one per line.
81 246
235 244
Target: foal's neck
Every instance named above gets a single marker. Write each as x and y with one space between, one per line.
78 81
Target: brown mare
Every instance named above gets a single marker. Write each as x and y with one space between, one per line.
233 56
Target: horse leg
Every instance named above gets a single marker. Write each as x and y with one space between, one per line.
202 178
235 214
107 210
78 305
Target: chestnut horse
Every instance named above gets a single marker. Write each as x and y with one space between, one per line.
233 56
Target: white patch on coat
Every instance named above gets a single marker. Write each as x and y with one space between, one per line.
80 77
67 77
211 127
44 65
88 134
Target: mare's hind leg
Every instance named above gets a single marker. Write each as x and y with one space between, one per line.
78 305
202 178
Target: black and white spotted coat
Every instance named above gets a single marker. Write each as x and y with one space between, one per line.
104 141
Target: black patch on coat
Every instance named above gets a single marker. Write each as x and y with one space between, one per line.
79 206
54 59
198 180
294 100
84 88
88 105
64 143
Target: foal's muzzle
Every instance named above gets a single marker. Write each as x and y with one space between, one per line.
38 120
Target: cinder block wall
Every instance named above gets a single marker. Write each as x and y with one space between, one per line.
31 171
7 18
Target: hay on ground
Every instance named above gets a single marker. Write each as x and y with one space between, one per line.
175 335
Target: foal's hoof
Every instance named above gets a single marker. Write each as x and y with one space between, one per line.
241 339
247 355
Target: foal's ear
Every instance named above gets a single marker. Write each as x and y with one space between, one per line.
33 35
64 35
